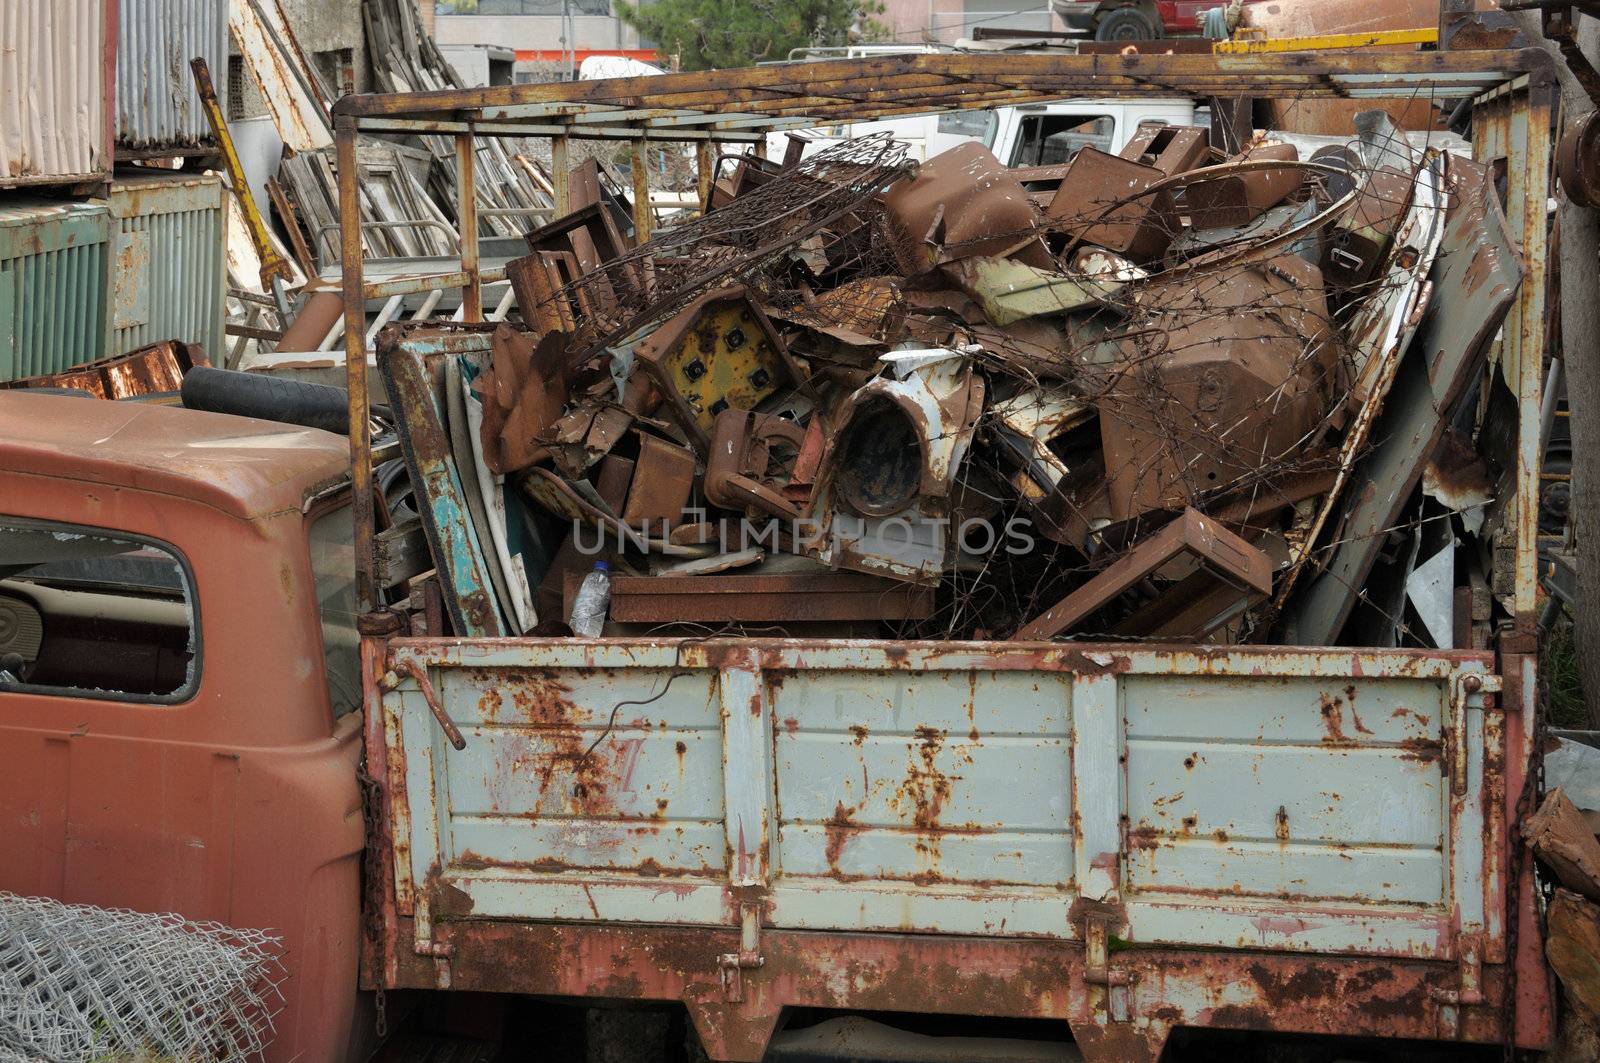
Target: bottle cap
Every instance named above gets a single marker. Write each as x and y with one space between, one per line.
601 566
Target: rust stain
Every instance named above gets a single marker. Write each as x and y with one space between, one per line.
1333 719
1355 717
1281 824
839 826
859 732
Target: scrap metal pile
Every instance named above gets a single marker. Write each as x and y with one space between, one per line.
1160 394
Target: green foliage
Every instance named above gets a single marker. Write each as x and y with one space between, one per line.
1558 674
711 34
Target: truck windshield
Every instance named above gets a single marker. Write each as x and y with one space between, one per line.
333 564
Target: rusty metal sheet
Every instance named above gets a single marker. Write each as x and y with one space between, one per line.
1101 202
1169 148
262 35
1224 557
153 370
157 105
664 477
1475 278
1010 291
1235 199
961 202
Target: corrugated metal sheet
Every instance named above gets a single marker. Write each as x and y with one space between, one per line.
157 106
168 280
52 90
52 286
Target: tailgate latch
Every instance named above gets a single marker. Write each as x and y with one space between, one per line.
732 965
1097 969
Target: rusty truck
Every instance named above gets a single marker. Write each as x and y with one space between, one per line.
1121 839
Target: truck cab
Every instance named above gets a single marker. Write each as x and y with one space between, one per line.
179 695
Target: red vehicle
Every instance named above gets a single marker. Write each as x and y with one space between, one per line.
1141 20
183 736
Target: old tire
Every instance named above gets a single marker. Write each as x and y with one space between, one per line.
1126 24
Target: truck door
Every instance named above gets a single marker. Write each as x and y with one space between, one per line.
1049 137
100 636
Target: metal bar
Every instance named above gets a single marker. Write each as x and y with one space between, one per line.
643 217
355 357
1529 336
705 161
561 174
467 212
272 263
1314 74
1380 38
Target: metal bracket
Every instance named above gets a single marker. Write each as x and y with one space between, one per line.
424 945
1097 970
1463 685
1469 990
732 965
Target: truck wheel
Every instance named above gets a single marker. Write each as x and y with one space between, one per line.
1126 24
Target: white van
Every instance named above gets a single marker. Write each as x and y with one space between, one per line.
1038 134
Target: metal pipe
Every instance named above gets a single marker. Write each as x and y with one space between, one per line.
467 211
355 358
643 218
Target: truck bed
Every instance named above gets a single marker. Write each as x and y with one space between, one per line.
1322 803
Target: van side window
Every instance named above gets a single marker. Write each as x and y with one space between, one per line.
333 565
94 613
1052 139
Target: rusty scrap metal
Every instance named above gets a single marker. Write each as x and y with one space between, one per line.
751 461
1231 196
1226 559
1102 201
1578 160
797 597
154 370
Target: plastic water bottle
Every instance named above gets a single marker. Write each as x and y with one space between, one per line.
589 607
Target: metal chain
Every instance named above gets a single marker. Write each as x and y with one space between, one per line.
372 878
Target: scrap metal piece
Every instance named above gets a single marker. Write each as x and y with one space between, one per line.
1578 160
884 495
1475 279
1226 200
869 307
719 353
1219 380
961 202
1227 558
1172 149
663 479
790 597
272 263
1027 424
1361 237
750 458
524 390
152 370
412 364
1010 291
1561 838
1102 201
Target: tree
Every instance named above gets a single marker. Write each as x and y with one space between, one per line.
709 34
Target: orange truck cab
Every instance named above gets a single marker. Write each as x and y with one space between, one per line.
178 681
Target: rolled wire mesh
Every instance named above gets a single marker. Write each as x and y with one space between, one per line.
79 982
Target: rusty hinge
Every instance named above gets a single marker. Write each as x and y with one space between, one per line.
424 945
1097 969
1463 686
1467 992
732 965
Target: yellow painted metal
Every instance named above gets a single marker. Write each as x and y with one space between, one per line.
272 263
1327 42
